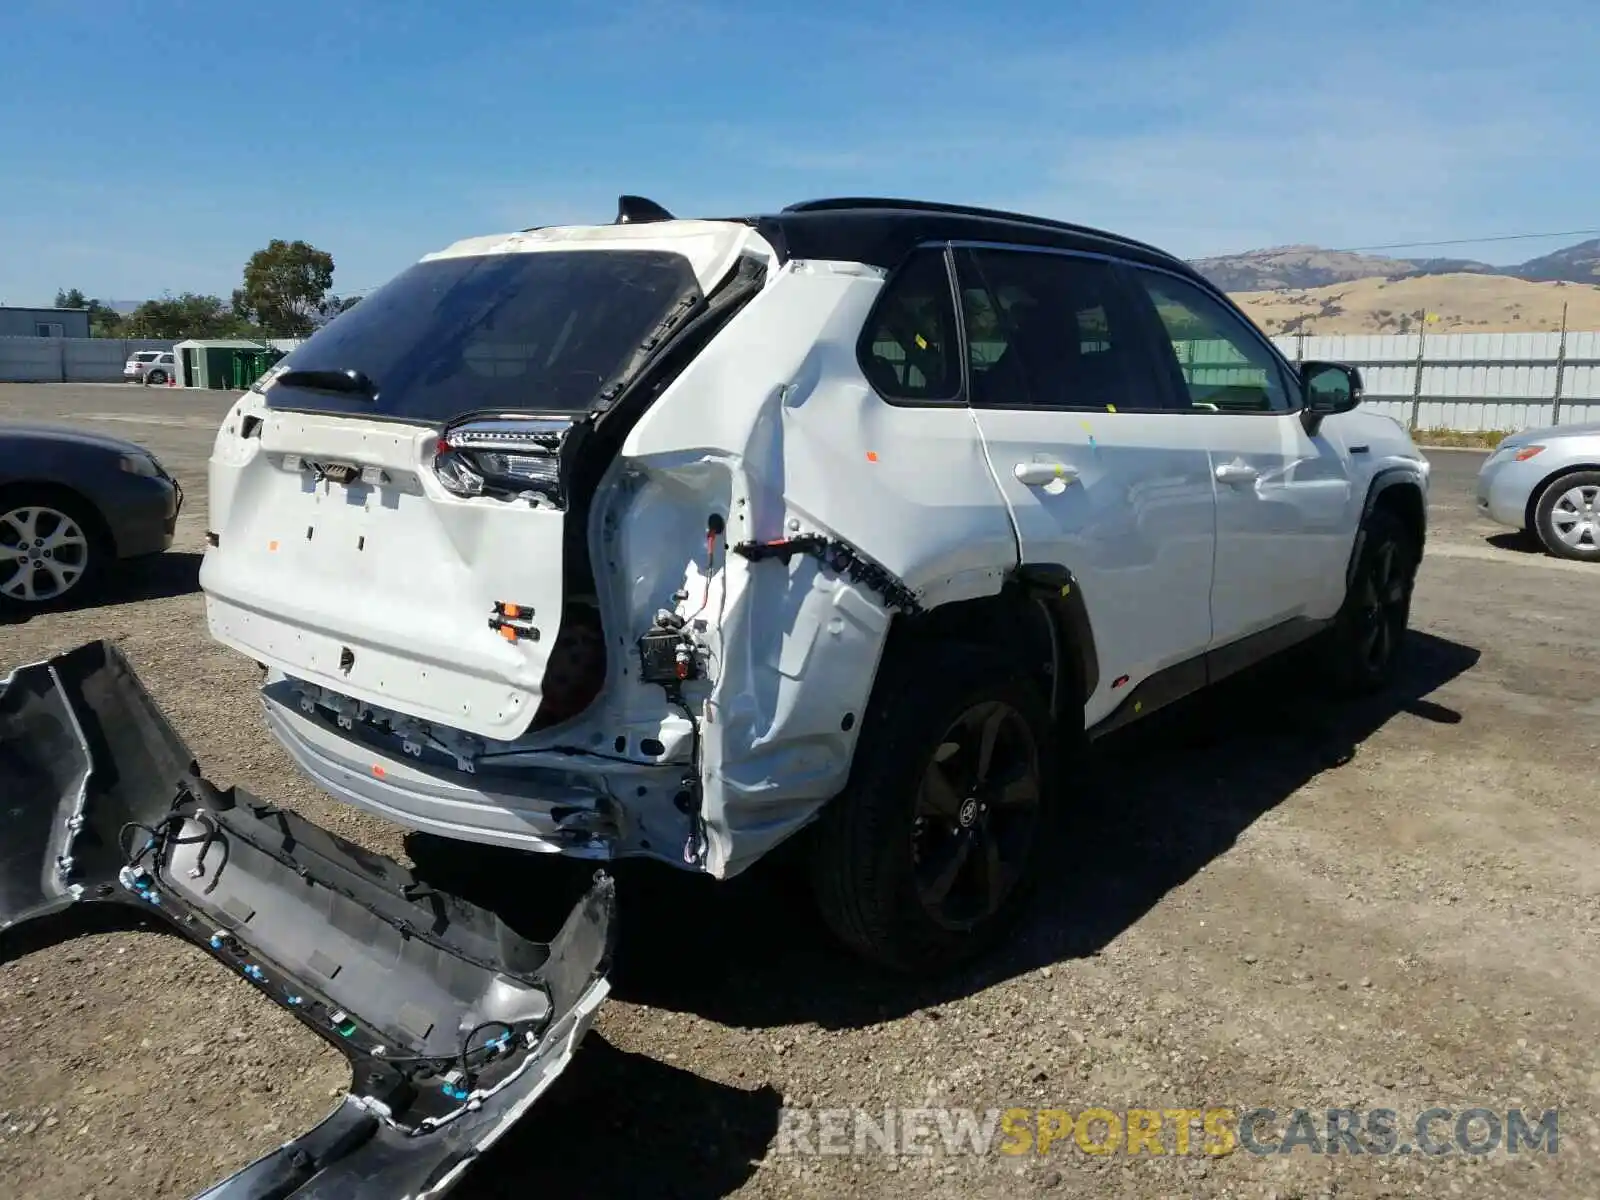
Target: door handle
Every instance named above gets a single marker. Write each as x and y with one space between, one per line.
1037 474
1237 473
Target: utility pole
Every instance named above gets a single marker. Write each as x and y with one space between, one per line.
1561 363
1416 382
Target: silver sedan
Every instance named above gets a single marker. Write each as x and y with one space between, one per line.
1547 482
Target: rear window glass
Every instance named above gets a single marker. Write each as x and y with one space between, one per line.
543 331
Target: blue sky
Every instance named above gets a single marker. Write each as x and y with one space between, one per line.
151 145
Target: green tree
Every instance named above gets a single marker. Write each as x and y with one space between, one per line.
103 321
286 288
187 316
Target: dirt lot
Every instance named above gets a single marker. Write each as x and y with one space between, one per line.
1271 902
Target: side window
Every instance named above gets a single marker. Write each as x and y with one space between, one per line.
1223 364
1051 331
909 348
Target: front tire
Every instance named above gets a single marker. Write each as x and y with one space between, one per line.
1362 649
156 378
930 855
1567 517
52 550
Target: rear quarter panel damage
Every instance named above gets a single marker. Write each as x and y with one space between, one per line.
774 428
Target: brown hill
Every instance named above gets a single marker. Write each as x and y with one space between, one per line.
1464 303
1294 266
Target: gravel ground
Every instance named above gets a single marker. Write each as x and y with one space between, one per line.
1271 903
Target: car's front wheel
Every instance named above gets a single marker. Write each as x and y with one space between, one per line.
156 378
51 549
932 851
1567 517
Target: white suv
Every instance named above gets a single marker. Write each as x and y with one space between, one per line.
676 538
150 366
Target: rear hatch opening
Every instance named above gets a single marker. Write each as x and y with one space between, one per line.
452 1023
400 509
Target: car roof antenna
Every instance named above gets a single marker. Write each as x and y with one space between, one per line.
634 210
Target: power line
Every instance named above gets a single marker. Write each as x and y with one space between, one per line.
1502 237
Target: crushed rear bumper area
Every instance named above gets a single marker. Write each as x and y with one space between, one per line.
452 1023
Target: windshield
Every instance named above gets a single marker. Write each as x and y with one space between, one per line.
545 331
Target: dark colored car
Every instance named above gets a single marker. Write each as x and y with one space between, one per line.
73 503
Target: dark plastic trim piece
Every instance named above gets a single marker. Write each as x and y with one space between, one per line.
452 1024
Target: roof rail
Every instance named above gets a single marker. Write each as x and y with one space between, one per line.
835 204
844 203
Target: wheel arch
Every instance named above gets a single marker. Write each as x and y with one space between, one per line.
1399 492
1038 616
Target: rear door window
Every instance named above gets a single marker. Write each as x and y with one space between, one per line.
1053 331
545 331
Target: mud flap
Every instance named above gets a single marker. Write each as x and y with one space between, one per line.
452 1023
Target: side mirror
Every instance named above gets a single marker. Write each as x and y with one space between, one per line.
1326 389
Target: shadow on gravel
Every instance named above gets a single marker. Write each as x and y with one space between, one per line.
1519 541
1158 801
175 573
621 1124
159 577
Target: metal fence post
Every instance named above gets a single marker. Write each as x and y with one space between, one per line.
1416 383
1561 363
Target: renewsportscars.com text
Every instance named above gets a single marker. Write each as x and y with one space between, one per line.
1210 1131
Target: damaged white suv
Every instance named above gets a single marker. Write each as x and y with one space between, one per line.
674 538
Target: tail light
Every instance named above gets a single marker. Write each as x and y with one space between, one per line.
503 456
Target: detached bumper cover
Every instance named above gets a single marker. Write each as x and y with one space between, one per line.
452 1024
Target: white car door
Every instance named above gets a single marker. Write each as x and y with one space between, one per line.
1100 474
1284 499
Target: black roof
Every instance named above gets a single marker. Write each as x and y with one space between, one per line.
882 232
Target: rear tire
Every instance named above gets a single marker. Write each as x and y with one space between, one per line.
53 549
930 854
1567 517
1362 650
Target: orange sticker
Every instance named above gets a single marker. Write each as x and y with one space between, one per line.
872 456
508 633
273 546
513 610
377 770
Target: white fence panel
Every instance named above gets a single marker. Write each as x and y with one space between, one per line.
70 360
1469 382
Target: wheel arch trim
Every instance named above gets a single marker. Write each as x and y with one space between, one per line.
1383 481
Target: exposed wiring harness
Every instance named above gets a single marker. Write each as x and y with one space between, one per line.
694 846
840 557
164 834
